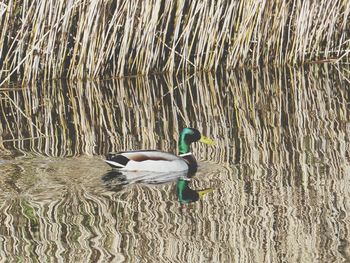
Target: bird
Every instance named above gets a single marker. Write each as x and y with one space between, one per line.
187 195
160 161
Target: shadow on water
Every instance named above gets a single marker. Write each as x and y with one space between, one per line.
116 181
280 169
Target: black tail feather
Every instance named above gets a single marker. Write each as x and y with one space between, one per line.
118 159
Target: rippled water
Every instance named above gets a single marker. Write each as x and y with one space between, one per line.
279 172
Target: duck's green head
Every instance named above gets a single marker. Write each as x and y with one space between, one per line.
187 195
190 135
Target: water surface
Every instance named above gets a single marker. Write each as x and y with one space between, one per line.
280 169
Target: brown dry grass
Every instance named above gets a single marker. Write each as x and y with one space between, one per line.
89 39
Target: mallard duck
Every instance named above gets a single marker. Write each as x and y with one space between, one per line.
159 161
187 195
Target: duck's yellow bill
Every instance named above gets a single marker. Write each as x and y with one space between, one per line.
204 192
206 140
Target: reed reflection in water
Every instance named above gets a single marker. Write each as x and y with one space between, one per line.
280 169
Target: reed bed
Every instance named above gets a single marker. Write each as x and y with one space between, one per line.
280 169
92 39
60 118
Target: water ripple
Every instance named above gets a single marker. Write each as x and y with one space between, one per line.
279 170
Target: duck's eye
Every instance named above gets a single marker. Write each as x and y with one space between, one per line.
192 137
188 138
196 135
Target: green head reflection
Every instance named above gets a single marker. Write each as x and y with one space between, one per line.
187 195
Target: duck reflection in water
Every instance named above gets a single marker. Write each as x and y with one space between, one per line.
118 180
187 195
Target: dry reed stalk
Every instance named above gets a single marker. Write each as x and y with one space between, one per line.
89 39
